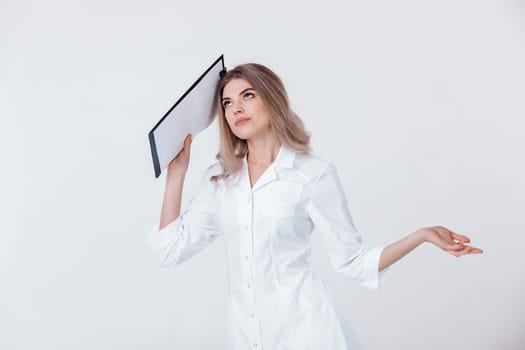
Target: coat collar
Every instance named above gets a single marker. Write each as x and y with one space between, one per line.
285 159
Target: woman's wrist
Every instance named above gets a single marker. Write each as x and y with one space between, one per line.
421 236
175 177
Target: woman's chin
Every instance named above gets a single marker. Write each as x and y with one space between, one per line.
242 135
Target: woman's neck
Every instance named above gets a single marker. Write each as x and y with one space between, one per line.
263 151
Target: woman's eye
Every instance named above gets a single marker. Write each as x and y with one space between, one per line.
248 95
226 103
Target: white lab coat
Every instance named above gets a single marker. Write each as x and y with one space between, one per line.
277 301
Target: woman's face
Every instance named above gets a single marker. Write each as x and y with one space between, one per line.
245 111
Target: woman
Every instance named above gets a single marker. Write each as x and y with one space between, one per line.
266 194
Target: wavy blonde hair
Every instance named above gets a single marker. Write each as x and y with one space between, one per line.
287 126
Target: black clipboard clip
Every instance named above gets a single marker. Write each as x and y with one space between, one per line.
223 72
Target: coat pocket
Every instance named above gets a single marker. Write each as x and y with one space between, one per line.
283 209
305 296
284 197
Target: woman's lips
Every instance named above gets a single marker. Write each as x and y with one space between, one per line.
241 121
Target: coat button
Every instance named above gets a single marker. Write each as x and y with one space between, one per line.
246 256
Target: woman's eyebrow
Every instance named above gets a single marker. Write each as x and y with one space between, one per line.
240 93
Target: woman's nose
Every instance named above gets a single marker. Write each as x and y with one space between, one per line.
237 107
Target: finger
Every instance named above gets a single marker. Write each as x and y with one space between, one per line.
462 251
187 144
461 238
466 250
475 251
456 246
187 140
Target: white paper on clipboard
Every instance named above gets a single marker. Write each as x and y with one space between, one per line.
191 114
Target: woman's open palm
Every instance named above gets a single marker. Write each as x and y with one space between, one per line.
449 241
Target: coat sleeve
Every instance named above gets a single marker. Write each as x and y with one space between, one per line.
194 229
328 210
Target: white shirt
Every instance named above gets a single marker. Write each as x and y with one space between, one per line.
277 301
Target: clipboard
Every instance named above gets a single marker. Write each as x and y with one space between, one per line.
193 112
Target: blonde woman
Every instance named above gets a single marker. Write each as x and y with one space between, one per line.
266 194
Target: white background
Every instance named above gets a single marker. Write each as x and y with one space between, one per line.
420 104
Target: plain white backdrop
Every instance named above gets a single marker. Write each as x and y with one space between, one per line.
420 104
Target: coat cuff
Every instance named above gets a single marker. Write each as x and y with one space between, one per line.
169 235
375 278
